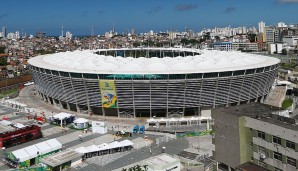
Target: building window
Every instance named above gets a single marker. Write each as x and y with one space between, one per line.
277 169
276 140
290 144
291 161
277 156
261 134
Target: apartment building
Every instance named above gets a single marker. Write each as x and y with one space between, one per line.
252 133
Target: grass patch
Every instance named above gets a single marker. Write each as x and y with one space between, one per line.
287 103
71 126
8 93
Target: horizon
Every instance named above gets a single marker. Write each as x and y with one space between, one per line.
79 18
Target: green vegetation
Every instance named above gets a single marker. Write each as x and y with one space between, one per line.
284 51
2 48
137 168
8 93
288 65
252 37
193 134
189 42
71 126
3 61
44 52
287 103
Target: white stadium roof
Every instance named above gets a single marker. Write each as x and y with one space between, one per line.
209 61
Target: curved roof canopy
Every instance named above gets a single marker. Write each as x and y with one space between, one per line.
203 61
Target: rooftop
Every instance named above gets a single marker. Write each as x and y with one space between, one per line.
61 157
248 166
261 112
88 61
161 160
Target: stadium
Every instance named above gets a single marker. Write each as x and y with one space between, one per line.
151 82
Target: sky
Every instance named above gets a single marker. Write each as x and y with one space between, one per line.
78 16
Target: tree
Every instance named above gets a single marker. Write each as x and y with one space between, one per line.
252 37
2 49
3 61
136 168
284 51
217 38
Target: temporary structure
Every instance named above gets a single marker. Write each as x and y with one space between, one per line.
30 155
81 123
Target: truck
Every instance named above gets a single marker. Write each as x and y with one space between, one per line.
142 129
135 129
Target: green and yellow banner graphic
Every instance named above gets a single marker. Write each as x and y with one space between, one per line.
108 93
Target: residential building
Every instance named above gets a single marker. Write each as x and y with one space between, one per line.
290 40
224 46
281 24
3 31
275 48
245 46
253 133
270 34
261 27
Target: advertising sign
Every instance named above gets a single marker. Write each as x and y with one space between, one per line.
108 93
99 127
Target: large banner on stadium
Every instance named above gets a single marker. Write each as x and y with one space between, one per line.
108 93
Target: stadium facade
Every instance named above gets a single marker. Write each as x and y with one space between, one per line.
148 82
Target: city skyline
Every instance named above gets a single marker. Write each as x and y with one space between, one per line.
79 18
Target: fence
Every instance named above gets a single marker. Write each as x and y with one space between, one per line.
165 138
141 145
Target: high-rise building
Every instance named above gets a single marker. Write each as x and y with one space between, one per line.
281 24
261 27
4 31
133 31
68 35
270 34
17 35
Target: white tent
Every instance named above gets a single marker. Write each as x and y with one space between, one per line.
194 120
21 155
173 121
81 150
126 143
81 123
62 116
43 147
152 120
80 120
32 151
183 121
54 143
115 144
104 146
37 149
92 148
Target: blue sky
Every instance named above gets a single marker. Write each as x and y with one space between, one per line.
78 16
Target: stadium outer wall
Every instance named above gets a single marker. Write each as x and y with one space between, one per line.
183 94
